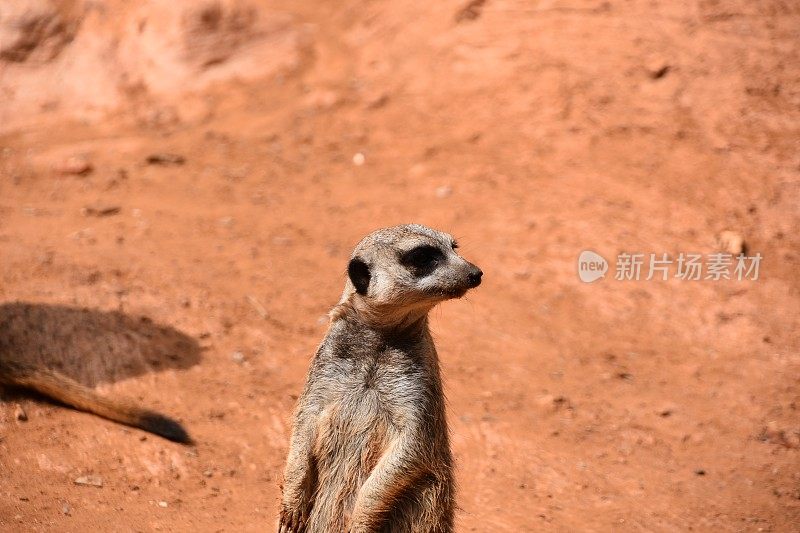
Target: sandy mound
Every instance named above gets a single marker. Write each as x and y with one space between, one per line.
87 58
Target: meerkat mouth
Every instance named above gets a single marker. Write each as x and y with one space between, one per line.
455 293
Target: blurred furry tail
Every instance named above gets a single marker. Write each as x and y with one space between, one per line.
69 392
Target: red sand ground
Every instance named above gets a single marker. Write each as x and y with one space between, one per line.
530 130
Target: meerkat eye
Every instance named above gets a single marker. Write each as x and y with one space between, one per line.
422 257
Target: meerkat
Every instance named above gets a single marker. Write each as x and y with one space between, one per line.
369 450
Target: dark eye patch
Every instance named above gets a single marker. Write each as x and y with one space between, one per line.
422 259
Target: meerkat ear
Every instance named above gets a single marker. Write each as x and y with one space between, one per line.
359 275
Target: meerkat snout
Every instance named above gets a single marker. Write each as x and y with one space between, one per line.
474 276
469 278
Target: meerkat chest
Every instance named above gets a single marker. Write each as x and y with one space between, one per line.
385 385
387 378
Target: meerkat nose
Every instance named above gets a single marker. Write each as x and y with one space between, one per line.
474 276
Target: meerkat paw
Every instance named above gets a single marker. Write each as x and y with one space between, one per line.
292 520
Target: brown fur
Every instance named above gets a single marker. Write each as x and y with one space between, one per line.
370 450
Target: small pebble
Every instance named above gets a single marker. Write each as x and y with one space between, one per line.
238 357
444 191
164 158
162 504
657 68
359 159
731 242
75 165
93 481
470 11
378 101
20 414
100 210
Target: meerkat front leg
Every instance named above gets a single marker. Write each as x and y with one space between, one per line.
398 468
299 478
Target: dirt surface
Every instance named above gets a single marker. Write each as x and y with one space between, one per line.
181 184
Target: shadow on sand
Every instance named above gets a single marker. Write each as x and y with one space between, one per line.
92 346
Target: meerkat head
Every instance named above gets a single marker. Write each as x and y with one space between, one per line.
403 271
